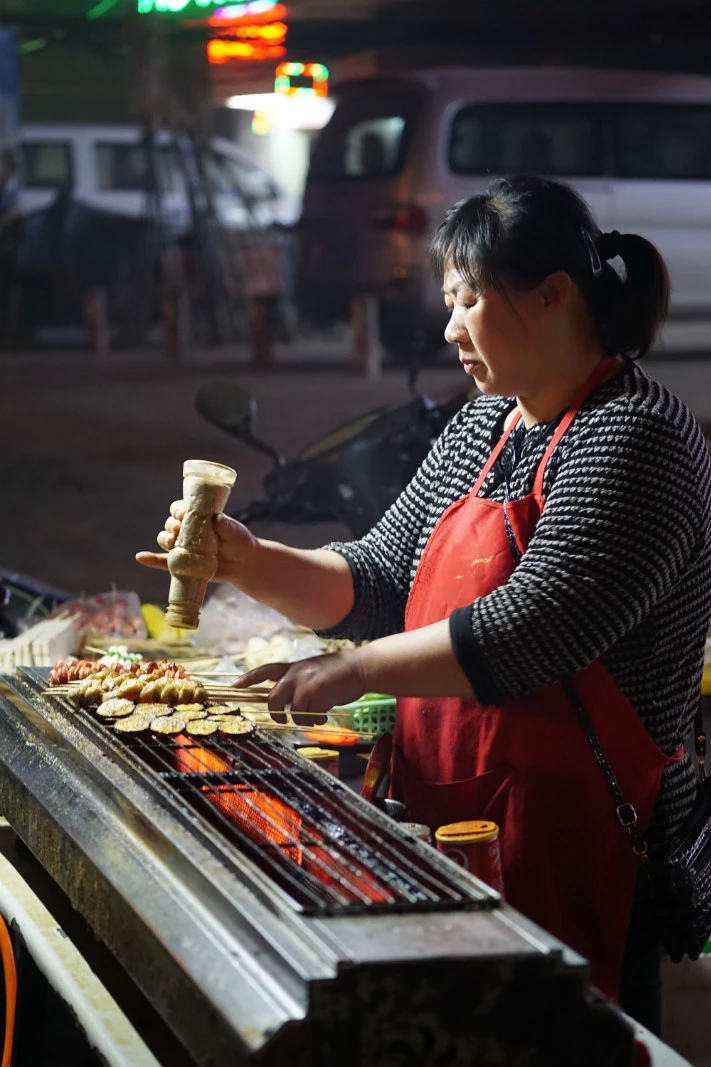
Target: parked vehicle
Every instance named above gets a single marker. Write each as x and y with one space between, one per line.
401 149
105 168
110 209
350 476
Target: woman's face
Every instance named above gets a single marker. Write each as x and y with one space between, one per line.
499 336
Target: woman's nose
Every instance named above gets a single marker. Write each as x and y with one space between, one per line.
455 329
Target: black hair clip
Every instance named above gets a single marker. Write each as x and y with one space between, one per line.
609 244
594 255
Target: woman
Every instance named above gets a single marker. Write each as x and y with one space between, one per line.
559 530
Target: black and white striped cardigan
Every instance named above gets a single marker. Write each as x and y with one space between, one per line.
619 567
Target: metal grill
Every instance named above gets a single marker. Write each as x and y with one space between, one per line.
305 830
296 828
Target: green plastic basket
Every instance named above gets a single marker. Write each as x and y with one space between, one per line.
374 714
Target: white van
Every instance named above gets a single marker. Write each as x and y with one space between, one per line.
105 168
399 150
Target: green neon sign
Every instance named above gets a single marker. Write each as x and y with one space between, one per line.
173 7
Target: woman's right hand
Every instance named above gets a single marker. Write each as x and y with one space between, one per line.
232 542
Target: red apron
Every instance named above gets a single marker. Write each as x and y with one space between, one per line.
527 764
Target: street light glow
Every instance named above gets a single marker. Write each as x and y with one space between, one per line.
302 112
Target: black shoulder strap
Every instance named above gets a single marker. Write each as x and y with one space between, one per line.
626 814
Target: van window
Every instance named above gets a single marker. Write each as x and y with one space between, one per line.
555 139
368 133
47 164
124 168
671 141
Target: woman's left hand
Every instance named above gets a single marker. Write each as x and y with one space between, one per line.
310 686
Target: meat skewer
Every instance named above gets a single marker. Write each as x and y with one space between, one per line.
78 670
150 690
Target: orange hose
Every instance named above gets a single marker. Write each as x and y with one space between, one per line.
8 964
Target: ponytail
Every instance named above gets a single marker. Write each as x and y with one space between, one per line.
630 310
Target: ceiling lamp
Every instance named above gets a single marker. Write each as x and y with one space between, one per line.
276 110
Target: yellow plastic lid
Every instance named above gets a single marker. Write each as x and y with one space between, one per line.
313 752
461 833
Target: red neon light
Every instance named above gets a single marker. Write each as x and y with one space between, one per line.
272 33
220 51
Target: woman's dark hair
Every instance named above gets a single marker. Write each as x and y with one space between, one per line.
522 229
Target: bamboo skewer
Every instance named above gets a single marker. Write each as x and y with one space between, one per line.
221 674
70 687
210 661
234 698
224 696
255 694
323 728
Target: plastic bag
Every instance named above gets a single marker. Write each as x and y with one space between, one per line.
230 618
114 614
282 648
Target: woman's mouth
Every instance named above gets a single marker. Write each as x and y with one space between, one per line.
471 366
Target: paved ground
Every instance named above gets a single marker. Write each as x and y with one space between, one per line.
91 455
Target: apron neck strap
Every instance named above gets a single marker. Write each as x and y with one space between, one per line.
591 383
495 454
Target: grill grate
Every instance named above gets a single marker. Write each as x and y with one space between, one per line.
310 835
294 827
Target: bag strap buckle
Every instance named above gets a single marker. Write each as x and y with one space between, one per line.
626 814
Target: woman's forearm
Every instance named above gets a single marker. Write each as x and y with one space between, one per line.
417 663
312 587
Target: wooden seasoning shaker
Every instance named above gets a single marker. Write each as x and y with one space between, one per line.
193 560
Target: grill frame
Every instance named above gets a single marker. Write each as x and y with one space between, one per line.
126 750
238 974
143 878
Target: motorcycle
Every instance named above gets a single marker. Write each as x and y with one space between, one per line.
25 601
352 475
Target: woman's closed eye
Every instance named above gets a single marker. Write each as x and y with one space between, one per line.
466 304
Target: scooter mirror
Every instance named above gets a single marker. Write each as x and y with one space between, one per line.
228 406
233 409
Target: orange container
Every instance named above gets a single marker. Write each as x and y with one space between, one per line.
474 845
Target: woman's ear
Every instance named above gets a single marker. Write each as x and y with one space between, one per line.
554 291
